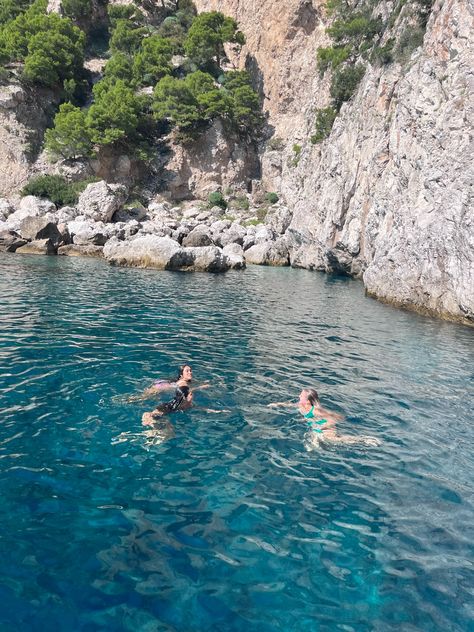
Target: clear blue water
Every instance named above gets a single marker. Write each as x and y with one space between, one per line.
230 525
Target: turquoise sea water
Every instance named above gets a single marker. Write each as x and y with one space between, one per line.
230 524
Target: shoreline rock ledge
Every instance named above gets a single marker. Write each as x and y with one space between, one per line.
164 253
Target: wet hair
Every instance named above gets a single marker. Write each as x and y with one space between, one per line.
181 369
312 395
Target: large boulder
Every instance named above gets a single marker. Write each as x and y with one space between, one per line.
164 253
235 254
279 219
10 241
268 253
30 206
264 234
180 233
198 237
35 206
99 200
6 209
84 232
234 235
148 251
136 213
206 259
66 214
33 228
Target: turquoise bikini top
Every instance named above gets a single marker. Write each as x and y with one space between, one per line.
314 422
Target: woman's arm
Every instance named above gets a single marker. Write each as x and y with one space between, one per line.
282 405
201 387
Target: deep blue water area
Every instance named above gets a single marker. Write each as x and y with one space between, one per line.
231 524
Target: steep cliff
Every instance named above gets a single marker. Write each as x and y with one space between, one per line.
388 196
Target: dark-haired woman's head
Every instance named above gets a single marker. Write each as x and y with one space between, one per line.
185 373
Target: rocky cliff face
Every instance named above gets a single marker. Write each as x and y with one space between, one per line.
24 115
388 196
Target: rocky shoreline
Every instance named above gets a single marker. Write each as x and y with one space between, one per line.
187 237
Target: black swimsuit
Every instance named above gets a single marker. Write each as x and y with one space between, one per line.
174 405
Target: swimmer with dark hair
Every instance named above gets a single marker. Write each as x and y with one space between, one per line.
184 378
321 422
182 400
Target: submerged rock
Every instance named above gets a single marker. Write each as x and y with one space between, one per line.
74 250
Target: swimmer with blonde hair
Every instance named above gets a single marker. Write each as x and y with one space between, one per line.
321 422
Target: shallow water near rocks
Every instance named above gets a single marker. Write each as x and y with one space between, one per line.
230 524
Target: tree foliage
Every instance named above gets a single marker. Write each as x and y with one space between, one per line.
153 61
332 57
51 47
344 84
173 100
53 57
114 116
325 118
77 9
69 138
194 101
244 111
126 37
9 9
118 67
209 32
127 12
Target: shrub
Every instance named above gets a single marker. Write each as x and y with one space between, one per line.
383 55
296 155
53 57
344 84
324 121
216 199
332 57
276 144
174 101
271 197
57 189
126 12
54 188
261 214
409 40
241 203
119 66
126 37
357 28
